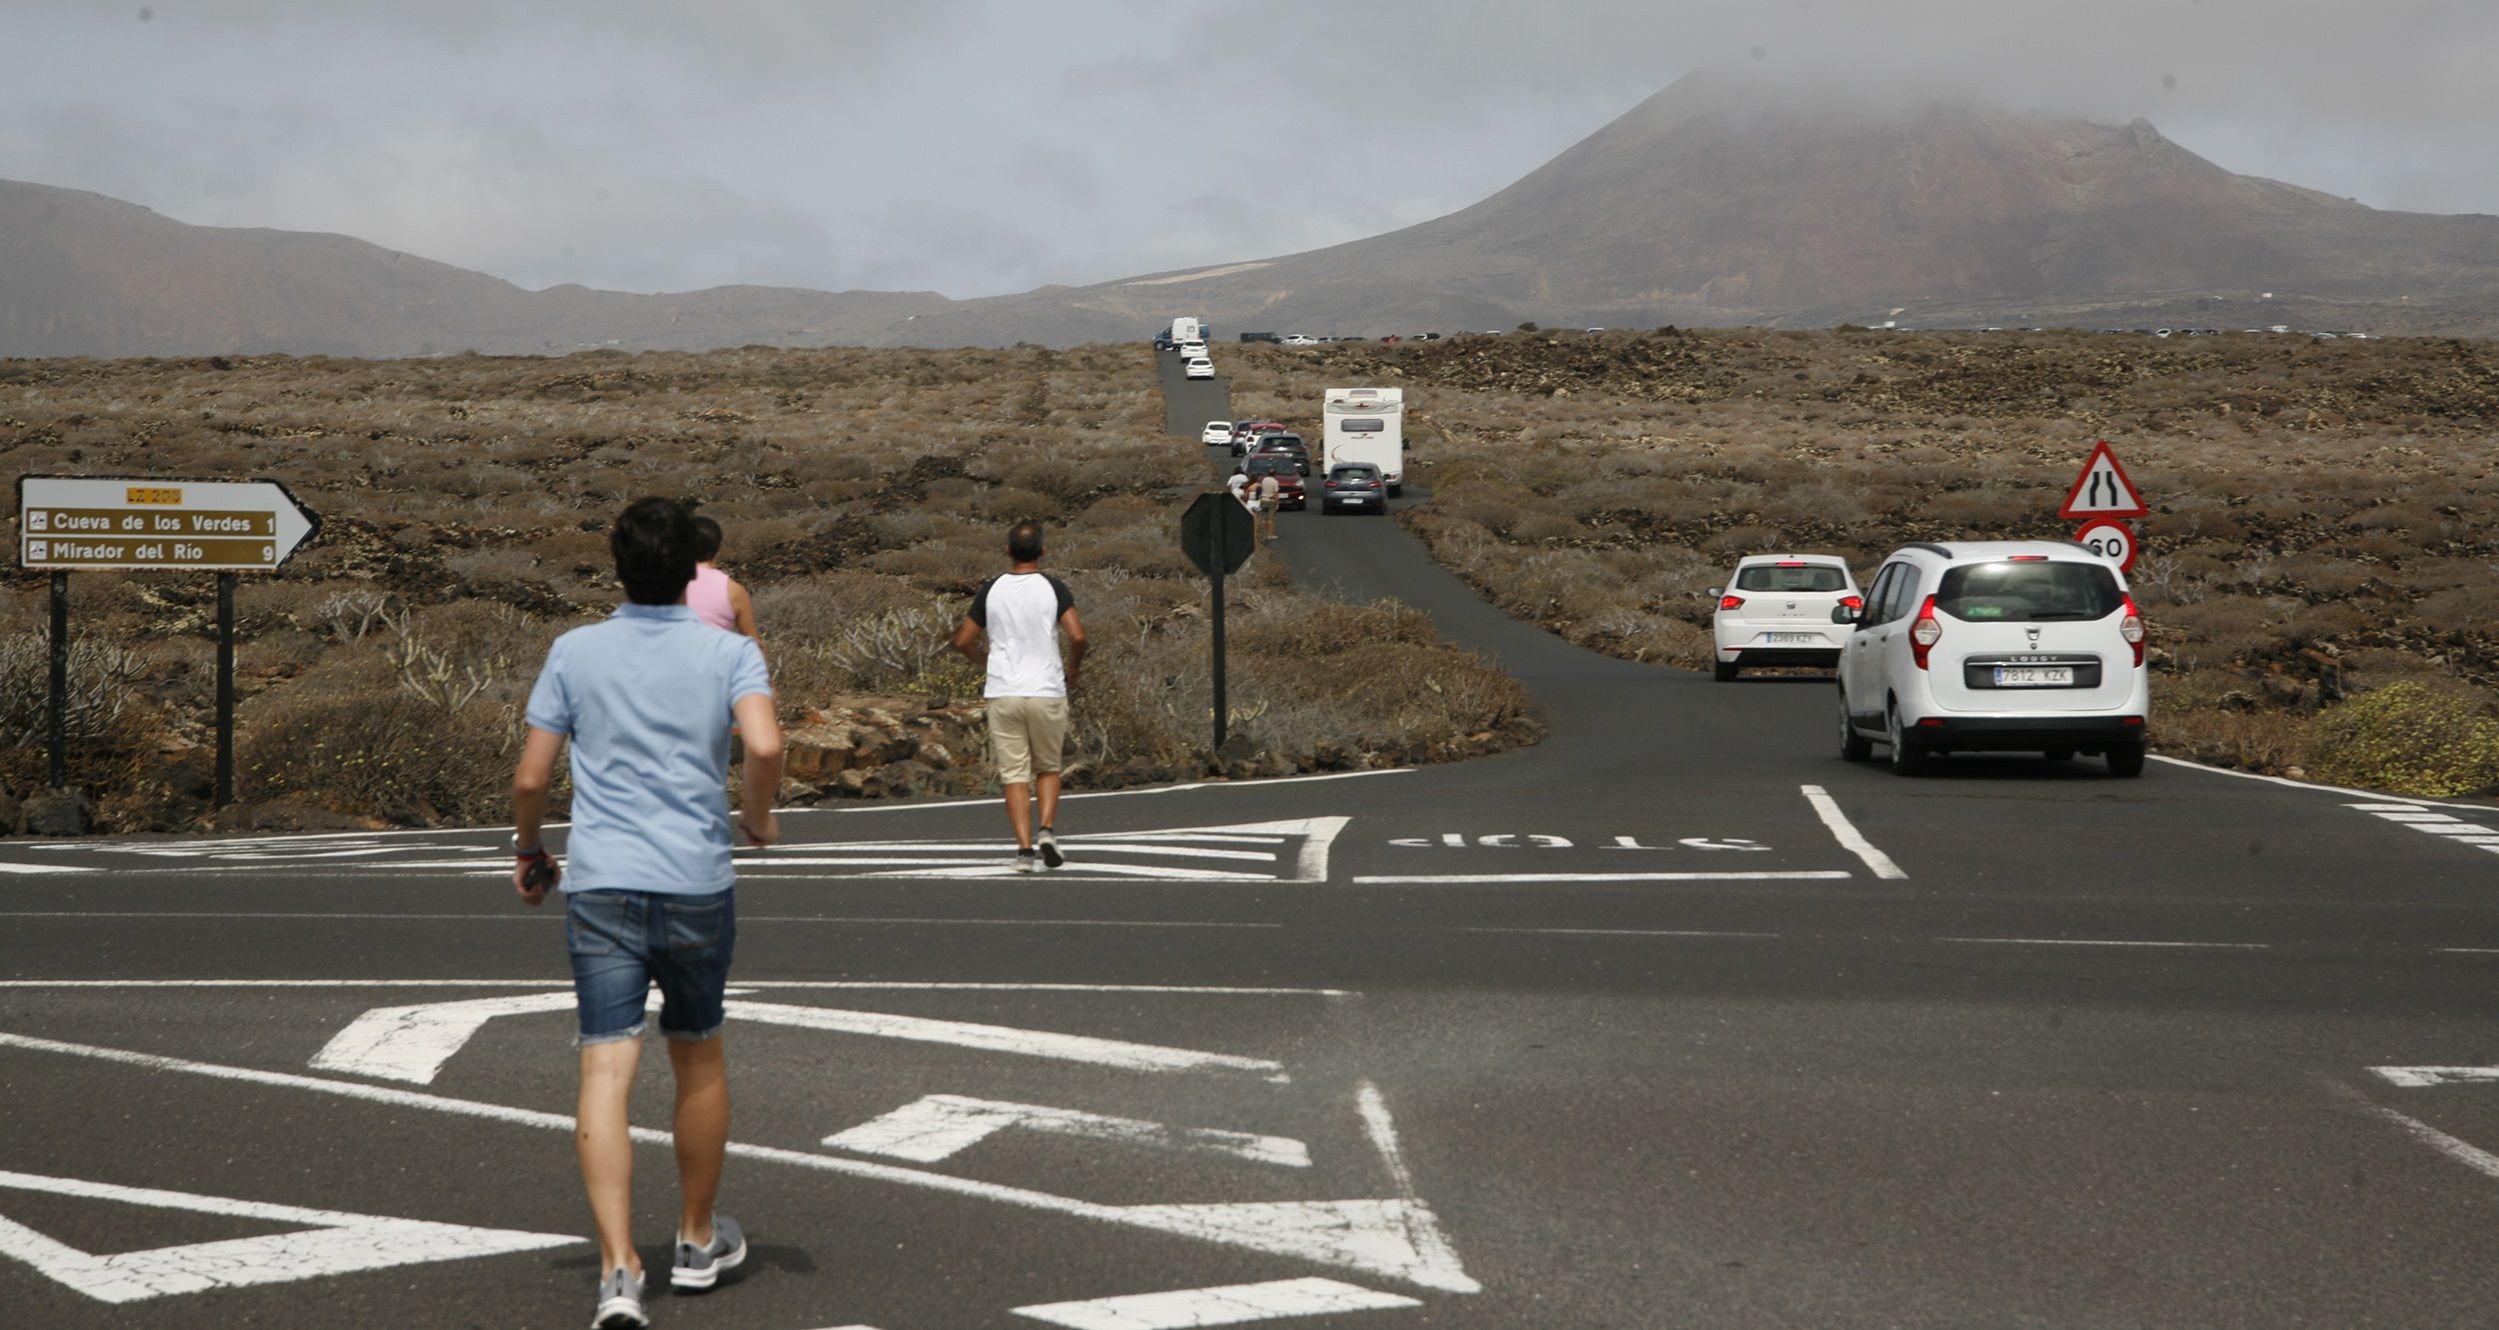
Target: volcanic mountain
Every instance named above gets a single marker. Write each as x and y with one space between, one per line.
1717 201
83 274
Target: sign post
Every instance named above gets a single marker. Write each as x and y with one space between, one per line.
58 726
1217 534
2102 499
68 524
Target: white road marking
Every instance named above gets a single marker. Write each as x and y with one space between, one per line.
1122 794
2304 785
2469 951
914 986
339 1243
412 1043
1846 833
1460 879
2100 942
2463 1152
2422 1076
43 868
1369 1235
940 1126
1422 1234
514 916
1625 932
1231 1304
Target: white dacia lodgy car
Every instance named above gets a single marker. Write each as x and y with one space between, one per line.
2007 646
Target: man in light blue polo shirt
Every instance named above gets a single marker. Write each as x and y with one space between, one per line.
647 699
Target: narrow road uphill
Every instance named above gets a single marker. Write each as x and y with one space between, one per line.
1675 1018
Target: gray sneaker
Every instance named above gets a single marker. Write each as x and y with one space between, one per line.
620 1303
1049 847
1026 861
701 1267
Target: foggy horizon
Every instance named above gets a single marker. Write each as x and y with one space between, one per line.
985 148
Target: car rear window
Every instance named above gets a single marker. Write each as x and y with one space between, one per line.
1360 425
1281 441
2026 591
1356 473
1799 577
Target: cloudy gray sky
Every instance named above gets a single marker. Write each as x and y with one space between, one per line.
981 146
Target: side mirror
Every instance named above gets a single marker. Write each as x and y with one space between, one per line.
1715 592
1843 614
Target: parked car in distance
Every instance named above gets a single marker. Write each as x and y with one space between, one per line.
1216 431
1290 492
1286 445
1260 337
1162 340
1776 610
1300 339
1200 368
1192 350
1353 487
2023 646
1247 434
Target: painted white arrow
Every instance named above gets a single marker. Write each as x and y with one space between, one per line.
339 1243
411 1044
1399 1238
940 1126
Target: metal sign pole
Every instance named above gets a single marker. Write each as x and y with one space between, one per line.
1222 713
59 721
225 689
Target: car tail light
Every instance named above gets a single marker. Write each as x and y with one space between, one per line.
1731 602
1857 603
2028 558
1789 563
1925 633
1331 484
2131 628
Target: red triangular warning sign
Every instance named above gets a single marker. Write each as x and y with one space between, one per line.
2102 490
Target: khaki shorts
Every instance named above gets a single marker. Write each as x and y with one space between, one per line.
1026 735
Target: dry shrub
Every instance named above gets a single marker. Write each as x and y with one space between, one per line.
2409 738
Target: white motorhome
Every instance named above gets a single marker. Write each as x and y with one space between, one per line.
1365 425
1186 330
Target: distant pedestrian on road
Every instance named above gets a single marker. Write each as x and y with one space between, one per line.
1270 494
714 596
1026 614
646 698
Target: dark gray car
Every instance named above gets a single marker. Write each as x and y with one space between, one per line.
1353 487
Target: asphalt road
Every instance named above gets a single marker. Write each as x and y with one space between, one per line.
1675 1019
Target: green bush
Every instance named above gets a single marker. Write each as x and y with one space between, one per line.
2410 739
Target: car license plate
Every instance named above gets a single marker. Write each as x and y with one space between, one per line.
1791 637
1357 498
2034 676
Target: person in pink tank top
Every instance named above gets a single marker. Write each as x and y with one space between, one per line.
714 596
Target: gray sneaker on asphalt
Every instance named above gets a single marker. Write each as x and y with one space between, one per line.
701 1267
1027 862
620 1303
1049 847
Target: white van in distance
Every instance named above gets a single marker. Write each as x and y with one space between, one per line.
1365 425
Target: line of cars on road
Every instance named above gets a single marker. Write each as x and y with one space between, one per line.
1266 448
1961 646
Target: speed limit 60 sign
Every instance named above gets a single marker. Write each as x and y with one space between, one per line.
2111 540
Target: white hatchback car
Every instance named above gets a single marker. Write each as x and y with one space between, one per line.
1192 350
1199 368
1777 611
1216 432
2023 646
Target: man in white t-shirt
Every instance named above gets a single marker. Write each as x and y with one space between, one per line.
1025 614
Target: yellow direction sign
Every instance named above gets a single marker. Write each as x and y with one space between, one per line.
88 523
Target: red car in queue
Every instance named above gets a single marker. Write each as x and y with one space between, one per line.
1290 492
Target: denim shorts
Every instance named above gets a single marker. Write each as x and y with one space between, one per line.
623 942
